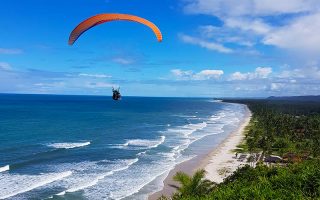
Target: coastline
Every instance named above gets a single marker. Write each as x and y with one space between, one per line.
219 163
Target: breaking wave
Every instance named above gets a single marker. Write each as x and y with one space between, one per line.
5 168
12 185
137 144
68 145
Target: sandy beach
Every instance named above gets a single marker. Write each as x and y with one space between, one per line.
219 163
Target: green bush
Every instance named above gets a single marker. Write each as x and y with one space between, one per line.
296 181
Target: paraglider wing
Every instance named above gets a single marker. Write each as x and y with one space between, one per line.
103 18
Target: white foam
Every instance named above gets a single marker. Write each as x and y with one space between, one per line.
5 168
142 153
128 182
68 145
137 144
12 185
188 129
86 184
196 127
215 101
151 171
186 116
80 182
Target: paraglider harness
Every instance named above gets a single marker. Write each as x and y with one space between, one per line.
116 94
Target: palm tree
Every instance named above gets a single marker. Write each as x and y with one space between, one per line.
194 186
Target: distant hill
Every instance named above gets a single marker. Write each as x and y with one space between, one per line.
297 98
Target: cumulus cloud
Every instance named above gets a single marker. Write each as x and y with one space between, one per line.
208 74
205 44
294 81
263 72
259 73
202 75
238 76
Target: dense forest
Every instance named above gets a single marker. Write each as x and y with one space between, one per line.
286 128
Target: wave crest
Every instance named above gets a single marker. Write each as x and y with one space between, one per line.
68 145
13 185
137 144
5 168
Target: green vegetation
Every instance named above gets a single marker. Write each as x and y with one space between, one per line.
281 127
290 129
195 186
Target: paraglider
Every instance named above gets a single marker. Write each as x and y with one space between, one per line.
116 94
104 18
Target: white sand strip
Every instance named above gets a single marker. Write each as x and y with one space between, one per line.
222 162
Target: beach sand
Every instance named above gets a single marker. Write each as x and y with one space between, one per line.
219 163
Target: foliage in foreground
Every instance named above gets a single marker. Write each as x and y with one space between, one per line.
296 181
195 186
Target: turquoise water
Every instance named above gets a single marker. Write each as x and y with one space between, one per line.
88 147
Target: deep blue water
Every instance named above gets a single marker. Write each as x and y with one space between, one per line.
89 147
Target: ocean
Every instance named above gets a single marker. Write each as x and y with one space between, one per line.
91 147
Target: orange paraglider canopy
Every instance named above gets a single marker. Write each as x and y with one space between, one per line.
103 18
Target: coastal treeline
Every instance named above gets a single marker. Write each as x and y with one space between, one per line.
289 130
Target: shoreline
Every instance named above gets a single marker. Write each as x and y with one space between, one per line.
219 163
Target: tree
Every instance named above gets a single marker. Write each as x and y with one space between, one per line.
195 186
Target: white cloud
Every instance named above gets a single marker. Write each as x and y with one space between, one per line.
208 30
259 73
181 73
224 35
294 26
238 76
301 34
263 72
310 72
95 85
238 8
50 85
123 61
10 51
5 66
207 74
257 26
277 86
95 75
205 44
295 81
276 7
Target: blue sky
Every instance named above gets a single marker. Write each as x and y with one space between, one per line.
215 48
